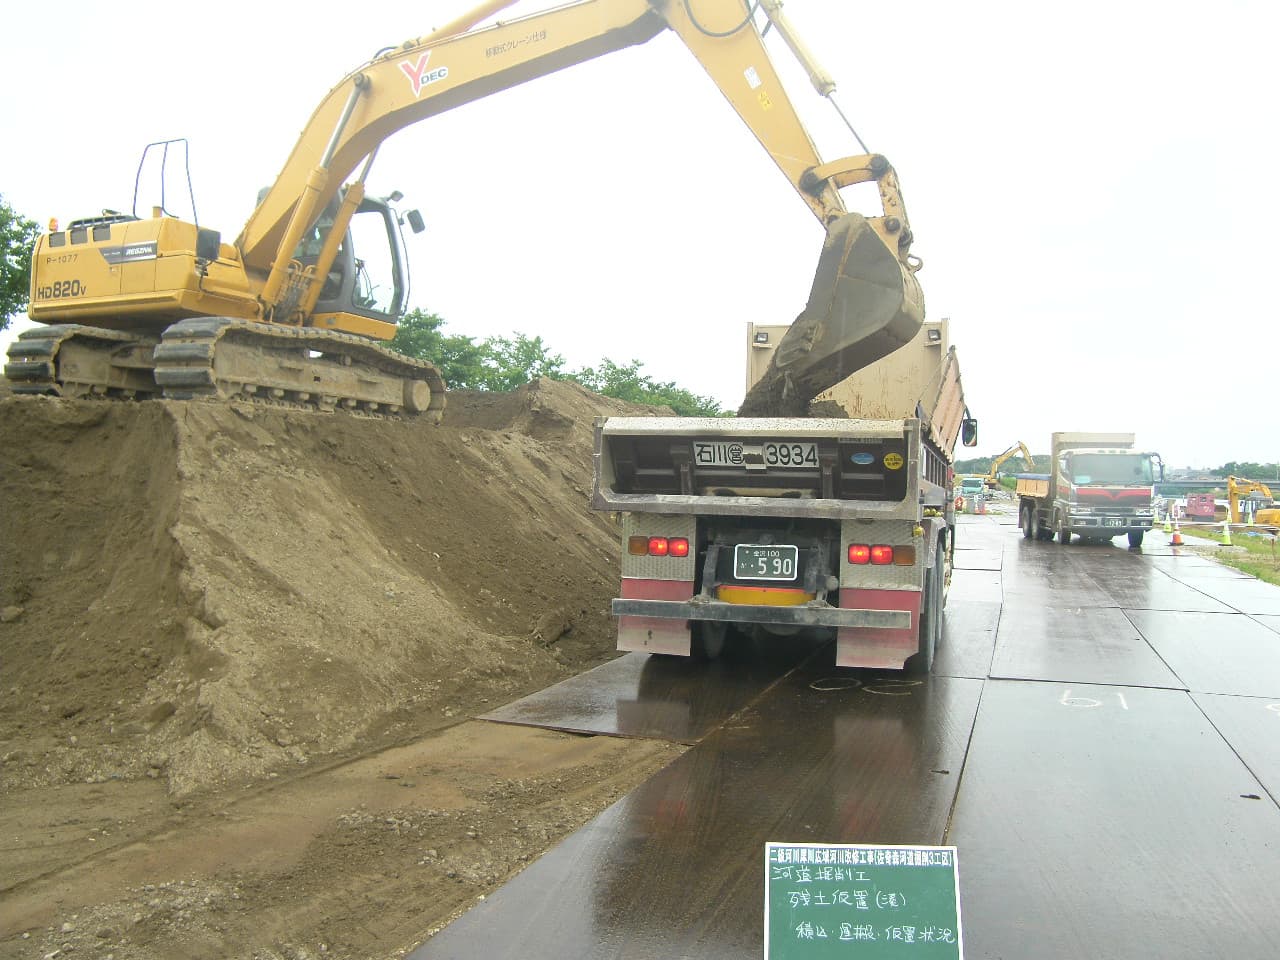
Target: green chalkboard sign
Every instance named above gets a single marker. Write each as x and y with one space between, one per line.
861 902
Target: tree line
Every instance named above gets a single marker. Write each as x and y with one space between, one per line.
504 363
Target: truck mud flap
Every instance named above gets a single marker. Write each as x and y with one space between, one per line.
803 616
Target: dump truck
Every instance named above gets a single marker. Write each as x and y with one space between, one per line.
736 526
1098 487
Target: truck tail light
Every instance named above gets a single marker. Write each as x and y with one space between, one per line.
881 554
658 546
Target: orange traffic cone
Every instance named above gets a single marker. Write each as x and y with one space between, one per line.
1177 534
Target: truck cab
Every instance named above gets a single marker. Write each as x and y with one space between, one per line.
1100 487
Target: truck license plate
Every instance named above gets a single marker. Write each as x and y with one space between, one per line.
768 453
759 562
1113 522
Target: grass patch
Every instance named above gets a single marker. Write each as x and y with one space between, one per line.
1261 557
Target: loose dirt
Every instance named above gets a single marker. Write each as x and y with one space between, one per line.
239 649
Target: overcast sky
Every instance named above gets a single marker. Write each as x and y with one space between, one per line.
1092 187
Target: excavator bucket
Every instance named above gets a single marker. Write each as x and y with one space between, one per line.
864 304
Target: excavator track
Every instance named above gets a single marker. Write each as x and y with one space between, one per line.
227 359
294 366
72 360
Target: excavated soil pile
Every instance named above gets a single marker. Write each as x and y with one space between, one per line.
214 594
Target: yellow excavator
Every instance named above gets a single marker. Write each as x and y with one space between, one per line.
1238 488
993 475
288 313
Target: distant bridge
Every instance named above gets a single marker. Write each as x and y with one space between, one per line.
1178 488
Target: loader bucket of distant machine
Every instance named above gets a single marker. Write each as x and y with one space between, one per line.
865 303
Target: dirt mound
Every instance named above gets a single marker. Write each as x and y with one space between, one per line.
216 593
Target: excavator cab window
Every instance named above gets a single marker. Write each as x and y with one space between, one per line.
368 277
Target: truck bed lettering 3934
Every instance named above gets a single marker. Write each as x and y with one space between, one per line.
768 453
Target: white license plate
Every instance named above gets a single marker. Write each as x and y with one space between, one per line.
766 453
1113 522
765 562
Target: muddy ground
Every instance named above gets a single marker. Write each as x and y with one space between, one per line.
239 651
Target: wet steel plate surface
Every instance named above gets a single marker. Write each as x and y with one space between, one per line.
976 559
1076 646
674 869
1252 726
1111 822
981 585
1108 819
1150 589
1247 596
968 638
665 698
1215 652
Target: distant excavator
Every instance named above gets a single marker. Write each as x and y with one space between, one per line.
1239 488
291 312
992 478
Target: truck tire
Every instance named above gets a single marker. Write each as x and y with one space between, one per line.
1025 521
1135 539
921 662
1064 533
1043 531
707 642
1033 523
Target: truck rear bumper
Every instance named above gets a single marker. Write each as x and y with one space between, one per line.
1100 526
801 616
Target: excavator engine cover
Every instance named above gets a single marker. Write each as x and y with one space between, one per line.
865 303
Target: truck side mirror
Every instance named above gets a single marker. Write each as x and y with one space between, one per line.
416 223
969 432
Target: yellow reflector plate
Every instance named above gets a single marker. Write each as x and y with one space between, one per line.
763 596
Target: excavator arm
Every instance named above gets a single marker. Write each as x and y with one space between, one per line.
452 67
865 301
1000 461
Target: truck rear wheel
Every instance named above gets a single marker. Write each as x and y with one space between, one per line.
1135 539
921 662
1025 521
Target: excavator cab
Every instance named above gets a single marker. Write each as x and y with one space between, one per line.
369 277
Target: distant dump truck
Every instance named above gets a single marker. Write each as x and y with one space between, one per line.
736 525
1099 487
